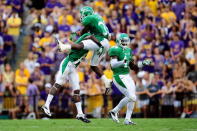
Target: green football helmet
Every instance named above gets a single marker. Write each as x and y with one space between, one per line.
123 40
86 11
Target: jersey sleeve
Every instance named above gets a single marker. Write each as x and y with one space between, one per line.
82 37
87 21
113 51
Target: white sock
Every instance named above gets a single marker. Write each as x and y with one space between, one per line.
130 107
49 99
79 108
122 103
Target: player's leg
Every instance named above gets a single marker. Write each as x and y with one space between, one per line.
74 81
60 80
88 44
114 112
126 85
130 93
120 85
96 58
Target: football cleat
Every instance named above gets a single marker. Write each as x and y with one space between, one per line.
114 116
83 118
46 110
129 122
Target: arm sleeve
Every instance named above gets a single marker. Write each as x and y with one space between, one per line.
115 63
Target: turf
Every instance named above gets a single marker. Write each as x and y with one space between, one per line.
99 125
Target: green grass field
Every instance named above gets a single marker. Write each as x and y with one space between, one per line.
99 125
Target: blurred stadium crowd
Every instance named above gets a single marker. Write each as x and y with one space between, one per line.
162 30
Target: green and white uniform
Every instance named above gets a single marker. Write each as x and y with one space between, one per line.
121 78
121 60
97 28
67 69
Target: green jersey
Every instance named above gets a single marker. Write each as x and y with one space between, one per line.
121 54
96 26
76 56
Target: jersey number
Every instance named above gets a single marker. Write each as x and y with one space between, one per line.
100 51
104 28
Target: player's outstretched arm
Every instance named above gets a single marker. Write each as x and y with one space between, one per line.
139 65
133 66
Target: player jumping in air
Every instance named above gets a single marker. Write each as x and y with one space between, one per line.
121 63
97 42
94 24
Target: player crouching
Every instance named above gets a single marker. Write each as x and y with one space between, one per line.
121 63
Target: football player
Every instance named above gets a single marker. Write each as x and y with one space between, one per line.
67 71
94 24
121 62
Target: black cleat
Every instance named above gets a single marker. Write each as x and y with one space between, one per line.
83 118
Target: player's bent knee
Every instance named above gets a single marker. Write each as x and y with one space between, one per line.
54 89
76 96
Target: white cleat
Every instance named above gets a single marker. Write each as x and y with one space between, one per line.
63 47
114 116
46 110
129 122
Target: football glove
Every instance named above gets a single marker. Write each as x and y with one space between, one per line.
145 62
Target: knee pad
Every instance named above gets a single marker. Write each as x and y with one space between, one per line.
76 96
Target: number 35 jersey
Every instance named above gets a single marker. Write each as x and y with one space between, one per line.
96 26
